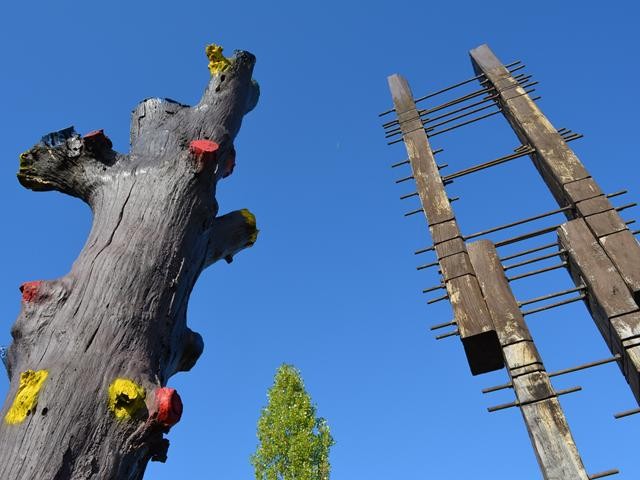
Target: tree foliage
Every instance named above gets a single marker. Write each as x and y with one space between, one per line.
294 443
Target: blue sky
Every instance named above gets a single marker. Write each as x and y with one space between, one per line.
331 284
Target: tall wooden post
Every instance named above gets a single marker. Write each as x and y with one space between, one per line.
476 328
548 429
560 168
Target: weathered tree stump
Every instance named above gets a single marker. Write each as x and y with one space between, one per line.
92 351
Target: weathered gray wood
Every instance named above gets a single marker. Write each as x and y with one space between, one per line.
562 171
612 306
548 429
121 310
624 251
474 322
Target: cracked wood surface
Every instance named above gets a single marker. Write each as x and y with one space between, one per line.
121 310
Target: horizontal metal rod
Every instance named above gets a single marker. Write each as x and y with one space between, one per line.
626 413
424 250
438 92
409 195
427 265
519 222
462 124
519 404
536 272
444 105
442 325
509 241
428 120
635 232
497 388
630 222
606 473
458 117
492 163
527 236
433 289
554 305
616 194
527 252
455 85
413 212
404 162
453 199
584 366
449 334
576 137
456 101
533 260
404 179
438 299
442 165
564 371
560 130
551 295
624 207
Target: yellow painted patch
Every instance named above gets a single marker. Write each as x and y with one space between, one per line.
251 223
125 398
218 63
27 397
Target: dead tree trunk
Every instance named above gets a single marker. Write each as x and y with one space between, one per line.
93 350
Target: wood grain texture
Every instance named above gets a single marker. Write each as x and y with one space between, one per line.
474 322
624 251
610 302
562 171
121 310
555 161
544 418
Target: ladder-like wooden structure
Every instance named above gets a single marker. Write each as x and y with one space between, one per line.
595 246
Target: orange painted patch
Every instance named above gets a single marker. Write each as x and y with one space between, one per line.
169 406
30 290
204 148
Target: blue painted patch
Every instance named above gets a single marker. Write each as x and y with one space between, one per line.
55 139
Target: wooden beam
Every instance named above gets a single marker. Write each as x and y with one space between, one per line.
612 306
476 329
548 429
560 168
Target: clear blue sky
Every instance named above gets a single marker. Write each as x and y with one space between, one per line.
331 284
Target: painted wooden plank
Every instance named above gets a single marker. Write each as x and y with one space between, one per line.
477 332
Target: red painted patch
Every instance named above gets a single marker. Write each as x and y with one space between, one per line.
30 290
97 139
204 148
229 163
169 405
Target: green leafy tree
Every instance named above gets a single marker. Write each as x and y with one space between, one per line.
294 443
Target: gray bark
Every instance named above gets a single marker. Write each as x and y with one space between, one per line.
121 310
